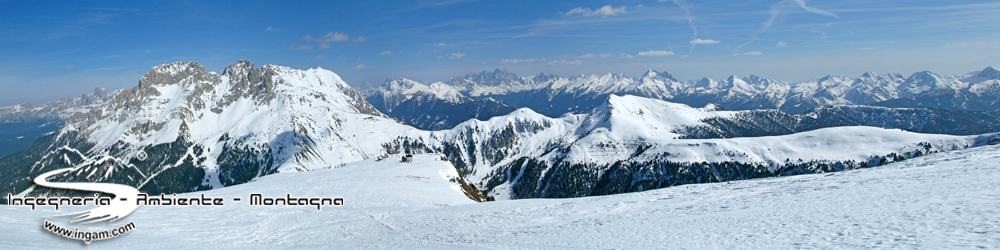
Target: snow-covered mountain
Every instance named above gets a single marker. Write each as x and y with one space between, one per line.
975 91
434 107
202 130
632 144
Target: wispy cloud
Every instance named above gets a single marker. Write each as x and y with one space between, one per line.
626 56
385 52
776 11
802 4
272 29
868 48
564 62
606 11
441 3
324 42
299 47
68 67
821 33
516 61
590 56
319 57
361 39
753 53
703 41
362 66
443 45
656 53
782 44
456 55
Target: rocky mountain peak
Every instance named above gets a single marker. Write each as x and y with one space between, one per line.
658 74
172 73
241 68
496 78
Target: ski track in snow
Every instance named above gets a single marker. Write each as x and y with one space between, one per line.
942 201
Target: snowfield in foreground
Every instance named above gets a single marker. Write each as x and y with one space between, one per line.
944 201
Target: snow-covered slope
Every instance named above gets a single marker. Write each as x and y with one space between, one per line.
942 201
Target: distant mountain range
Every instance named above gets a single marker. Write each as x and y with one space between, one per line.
22 124
554 96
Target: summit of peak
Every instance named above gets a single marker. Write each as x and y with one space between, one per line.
241 67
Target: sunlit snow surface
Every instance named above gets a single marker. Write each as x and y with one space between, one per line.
942 201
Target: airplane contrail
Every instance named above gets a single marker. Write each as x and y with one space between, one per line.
687 14
775 12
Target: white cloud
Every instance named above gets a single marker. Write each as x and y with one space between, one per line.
589 56
515 60
320 57
68 67
361 39
578 10
385 52
656 53
703 41
272 29
324 42
456 55
753 53
605 11
564 62
782 44
627 56
362 66
443 45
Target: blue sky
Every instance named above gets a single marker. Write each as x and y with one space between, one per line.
59 49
